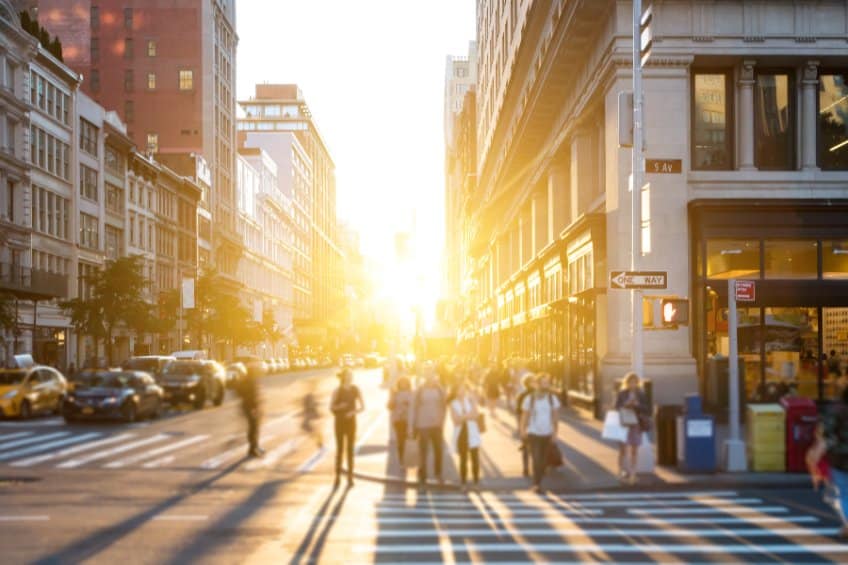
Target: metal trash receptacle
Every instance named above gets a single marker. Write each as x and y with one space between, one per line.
801 420
665 418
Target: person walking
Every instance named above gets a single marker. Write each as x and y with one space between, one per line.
345 403
399 405
835 435
634 412
248 391
539 425
467 435
527 384
427 420
492 385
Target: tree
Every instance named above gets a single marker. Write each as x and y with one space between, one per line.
116 300
219 314
8 320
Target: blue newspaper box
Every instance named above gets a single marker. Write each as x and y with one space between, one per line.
696 438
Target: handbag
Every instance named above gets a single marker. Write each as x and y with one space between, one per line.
627 417
612 427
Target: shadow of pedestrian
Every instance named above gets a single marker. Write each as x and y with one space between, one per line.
310 549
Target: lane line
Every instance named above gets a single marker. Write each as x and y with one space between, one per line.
73 463
32 439
716 510
37 518
511 547
158 451
548 533
29 462
49 445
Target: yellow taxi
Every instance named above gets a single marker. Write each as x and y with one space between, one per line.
33 390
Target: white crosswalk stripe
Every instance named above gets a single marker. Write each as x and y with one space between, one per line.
159 451
4 437
29 462
45 446
32 439
113 451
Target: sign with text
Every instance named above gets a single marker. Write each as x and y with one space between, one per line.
664 166
746 291
639 279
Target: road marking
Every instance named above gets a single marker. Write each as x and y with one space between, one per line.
38 518
730 509
221 458
56 421
587 496
271 457
45 446
313 460
181 518
560 532
70 451
5 437
715 503
158 451
32 439
73 463
558 519
523 511
510 547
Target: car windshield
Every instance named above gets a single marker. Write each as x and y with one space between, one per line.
12 377
183 368
142 364
103 380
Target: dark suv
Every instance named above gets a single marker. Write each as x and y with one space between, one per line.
152 364
194 382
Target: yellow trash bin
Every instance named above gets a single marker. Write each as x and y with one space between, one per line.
765 426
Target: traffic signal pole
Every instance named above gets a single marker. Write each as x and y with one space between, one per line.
735 458
636 352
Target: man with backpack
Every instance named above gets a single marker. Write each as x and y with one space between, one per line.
426 420
527 384
539 425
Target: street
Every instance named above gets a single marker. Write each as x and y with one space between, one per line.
180 490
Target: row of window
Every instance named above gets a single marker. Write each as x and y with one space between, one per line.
50 263
185 80
776 259
49 153
49 98
50 213
776 95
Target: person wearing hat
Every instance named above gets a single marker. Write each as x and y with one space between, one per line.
345 403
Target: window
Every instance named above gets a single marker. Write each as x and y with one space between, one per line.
151 81
186 80
129 110
88 137
711 121
114 199
49 153
151 48
729 258
95 80
128 18
114 161
10 201
835 260
129 82
791 259
774 121
88 183
94 49
114 242
86 274
128 48
95 17
153 142
50 213
833 121
89 231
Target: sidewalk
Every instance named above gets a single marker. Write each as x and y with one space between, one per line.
591 463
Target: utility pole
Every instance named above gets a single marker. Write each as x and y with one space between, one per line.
637 354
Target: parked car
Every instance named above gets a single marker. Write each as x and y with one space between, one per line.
113 395
253 363
282 364
272 366
36 389
300 363
152 364
194 382
191 354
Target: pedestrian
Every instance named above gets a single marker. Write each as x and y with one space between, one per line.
634 413
251 407
492 384
527 384
310 415
835 435
346 401
427 420
399 405
539 425
467 437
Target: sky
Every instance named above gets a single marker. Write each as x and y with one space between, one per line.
372 73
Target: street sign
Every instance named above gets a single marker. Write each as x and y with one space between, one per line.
639 279
664 166
745 291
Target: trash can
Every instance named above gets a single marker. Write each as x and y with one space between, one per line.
801 420
698 438
766 442
666 422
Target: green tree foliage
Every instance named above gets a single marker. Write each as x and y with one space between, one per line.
7 311
52 44
219 315
116 301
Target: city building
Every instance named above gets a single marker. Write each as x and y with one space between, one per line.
746 122
168 69
278 120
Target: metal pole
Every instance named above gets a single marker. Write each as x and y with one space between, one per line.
734 447
180 319
637 354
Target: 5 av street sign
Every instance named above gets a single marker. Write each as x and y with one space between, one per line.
640 280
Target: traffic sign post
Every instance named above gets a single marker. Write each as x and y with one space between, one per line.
746 291
734 447
639 280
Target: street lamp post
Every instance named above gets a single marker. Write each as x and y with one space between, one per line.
637 355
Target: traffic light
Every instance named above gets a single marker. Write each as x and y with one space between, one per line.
675 311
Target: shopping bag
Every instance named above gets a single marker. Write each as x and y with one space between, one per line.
410 456
645 460
627 417
612 427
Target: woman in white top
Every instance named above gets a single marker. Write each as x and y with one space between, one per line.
539 423
464 413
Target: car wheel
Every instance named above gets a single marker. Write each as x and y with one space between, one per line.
200 400
26 410
219 395
129 412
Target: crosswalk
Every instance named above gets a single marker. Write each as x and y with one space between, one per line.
128 447
517 527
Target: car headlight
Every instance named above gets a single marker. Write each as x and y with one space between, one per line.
72 399
110 400
11 394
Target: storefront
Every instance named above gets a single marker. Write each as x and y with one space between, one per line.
794 336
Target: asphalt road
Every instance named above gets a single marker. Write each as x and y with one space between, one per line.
179 490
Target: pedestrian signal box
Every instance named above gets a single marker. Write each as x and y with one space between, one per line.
675 311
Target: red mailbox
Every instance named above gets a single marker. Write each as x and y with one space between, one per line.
801 420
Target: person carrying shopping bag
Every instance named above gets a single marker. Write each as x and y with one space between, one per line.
634 413
539 425
465 413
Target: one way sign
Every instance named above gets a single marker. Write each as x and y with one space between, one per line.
639 279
